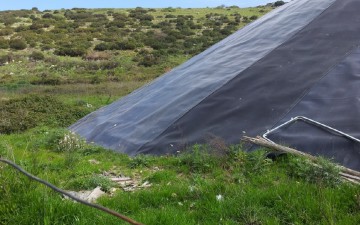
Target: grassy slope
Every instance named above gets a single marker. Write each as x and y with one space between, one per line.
255 190
184 188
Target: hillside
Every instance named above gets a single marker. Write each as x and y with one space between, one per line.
117 45
58 65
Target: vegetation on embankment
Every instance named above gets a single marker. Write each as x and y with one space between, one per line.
210 184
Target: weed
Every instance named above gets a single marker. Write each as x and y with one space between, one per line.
70 142
198 159
90 182
257 162
140 161
324 172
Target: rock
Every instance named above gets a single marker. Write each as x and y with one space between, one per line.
95 194
89 196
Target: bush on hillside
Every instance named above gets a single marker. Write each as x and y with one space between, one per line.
70 51
94 56
36 56
17 44
20 114
254 17
147 58
3 60
4 44
72 47
278 3
101 47
48 16
6 31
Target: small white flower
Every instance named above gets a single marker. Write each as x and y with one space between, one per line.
219 198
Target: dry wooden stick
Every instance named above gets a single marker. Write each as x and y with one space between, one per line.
345 172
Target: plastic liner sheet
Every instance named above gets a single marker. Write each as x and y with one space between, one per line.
139 118
262 96
323 143
334 101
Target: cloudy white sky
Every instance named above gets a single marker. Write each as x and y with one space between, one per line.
58 4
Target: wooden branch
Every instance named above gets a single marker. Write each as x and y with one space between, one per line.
345 172
349 176
350 180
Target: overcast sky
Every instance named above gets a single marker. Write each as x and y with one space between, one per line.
58 4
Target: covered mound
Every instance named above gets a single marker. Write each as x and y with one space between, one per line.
301 59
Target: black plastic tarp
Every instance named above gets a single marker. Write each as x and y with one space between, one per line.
299 60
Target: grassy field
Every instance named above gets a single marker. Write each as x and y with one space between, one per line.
45 86
206 186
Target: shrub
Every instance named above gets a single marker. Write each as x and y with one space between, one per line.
36 56
6 58
47 81
101 65
278 3
91 182
254 17
6 31
72 51
116 23
20 114
47 16
4 44
3 59
70 142
101 47
17 44
9 20
36 26
325 172
93 56
169 16
21 28
147 59
126 45
45 47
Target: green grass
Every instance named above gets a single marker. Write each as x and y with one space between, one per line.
184 190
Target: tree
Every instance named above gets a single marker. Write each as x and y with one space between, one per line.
35 9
